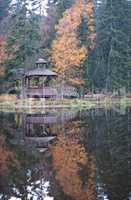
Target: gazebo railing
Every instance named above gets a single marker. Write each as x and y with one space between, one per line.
46 91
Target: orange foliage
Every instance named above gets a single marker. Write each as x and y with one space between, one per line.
73 130
68 156
66 50
5 157
3 56
67 54
75 81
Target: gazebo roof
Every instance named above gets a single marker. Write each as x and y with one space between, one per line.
41 61
40 72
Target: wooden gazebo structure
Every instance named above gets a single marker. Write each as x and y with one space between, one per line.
36 82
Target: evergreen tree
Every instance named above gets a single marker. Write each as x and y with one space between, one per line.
55 10
87 36
23 43
62 5
113 35
82 33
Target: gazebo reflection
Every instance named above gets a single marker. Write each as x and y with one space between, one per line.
37 128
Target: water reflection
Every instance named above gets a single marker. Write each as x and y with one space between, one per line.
70 162
66 155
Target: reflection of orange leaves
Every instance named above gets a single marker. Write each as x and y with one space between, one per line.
5 157
91 189
68 158
67 155
70 149
74 130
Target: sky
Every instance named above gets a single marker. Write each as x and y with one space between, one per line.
44 6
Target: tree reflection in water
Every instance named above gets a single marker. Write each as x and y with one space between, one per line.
7 161
89 159
71 161
109 139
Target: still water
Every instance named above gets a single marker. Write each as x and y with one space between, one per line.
66 155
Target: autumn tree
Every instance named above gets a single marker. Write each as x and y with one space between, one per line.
3 56
6 158
67 51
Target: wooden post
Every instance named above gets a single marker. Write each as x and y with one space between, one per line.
23 88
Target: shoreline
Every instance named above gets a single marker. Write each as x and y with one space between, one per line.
36 105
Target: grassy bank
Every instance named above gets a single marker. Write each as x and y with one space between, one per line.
41 104
14 104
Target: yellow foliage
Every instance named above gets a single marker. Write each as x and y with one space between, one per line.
68 156
5 156
66 50
76 81
3 56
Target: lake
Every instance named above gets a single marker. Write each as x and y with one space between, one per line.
66 155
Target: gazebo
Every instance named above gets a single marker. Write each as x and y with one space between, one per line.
36 83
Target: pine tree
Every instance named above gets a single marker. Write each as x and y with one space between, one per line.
55 10
113 37
62 5
87 36
23 43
